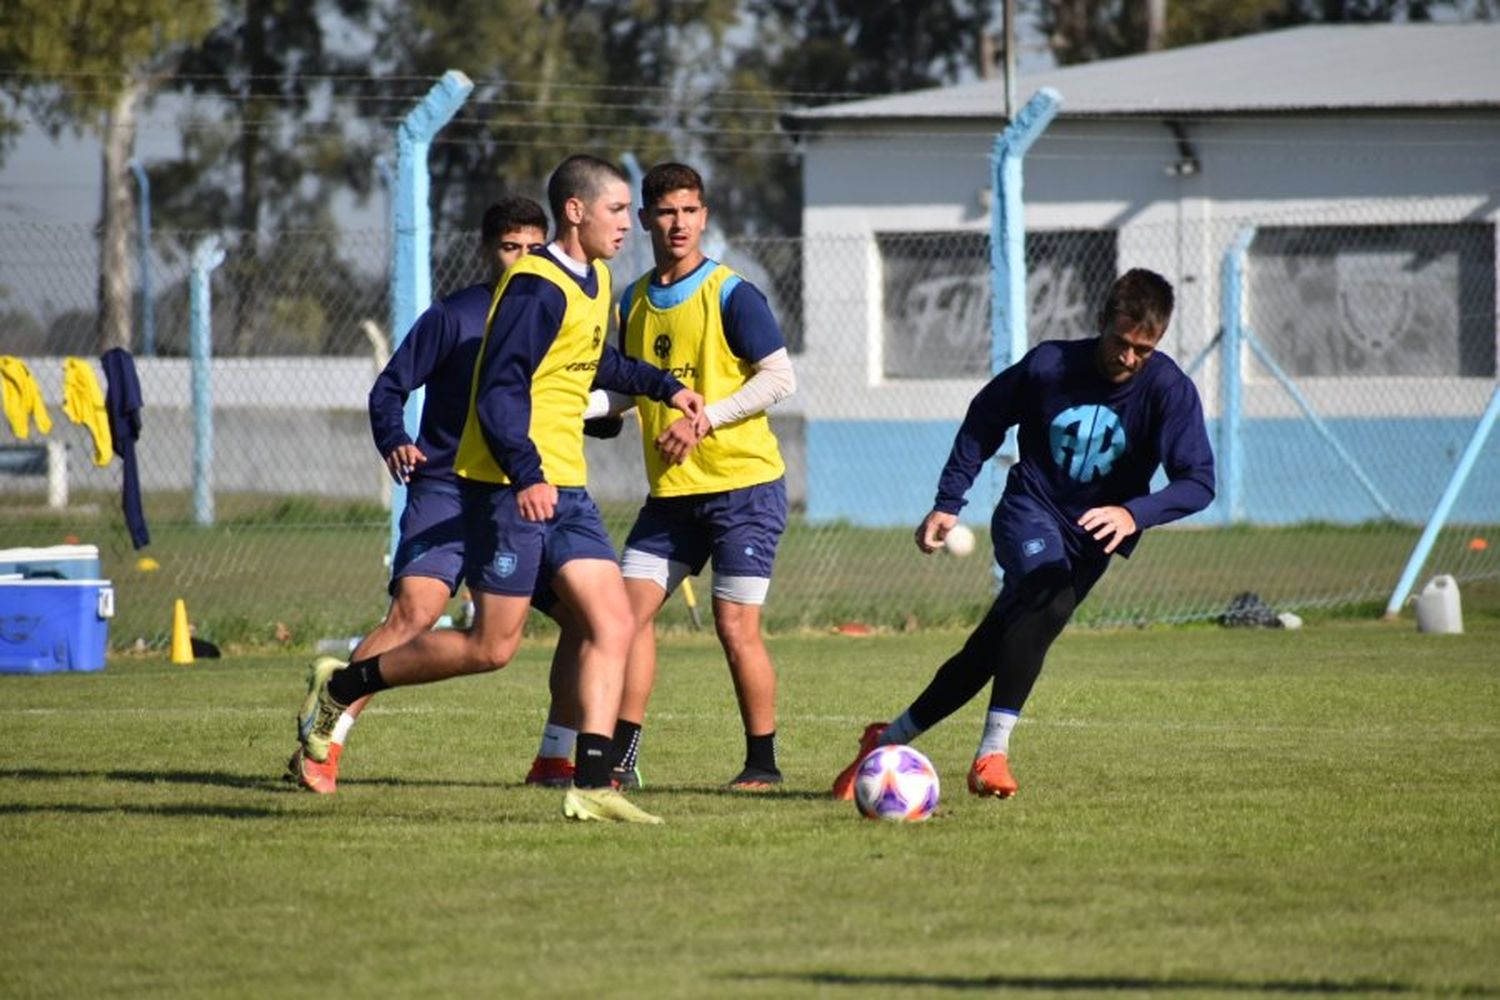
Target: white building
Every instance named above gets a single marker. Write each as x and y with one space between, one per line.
1367 158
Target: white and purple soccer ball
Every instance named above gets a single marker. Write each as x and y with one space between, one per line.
896 783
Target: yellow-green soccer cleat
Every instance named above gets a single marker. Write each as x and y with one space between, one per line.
605 805
319 713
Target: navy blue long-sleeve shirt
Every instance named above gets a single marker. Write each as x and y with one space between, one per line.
438 352
1087 442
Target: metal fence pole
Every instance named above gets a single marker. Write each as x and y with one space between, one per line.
1008 336
207 256
1444 505
411 231
1231 444
148 294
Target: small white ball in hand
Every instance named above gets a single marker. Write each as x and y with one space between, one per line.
959 541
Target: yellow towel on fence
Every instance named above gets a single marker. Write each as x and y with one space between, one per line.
23 398
84 404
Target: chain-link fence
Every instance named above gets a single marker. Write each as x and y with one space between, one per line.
1366 353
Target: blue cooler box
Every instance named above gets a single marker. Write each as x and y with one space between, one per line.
51 625
52 562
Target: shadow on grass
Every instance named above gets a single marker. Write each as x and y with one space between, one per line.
217 779
172 811
1105 983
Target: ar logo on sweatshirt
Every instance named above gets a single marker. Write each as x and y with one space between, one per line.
1086 441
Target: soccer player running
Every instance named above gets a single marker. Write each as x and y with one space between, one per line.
438 354
527 516
1095 418
716 489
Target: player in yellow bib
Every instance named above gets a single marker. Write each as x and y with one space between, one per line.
717 489
528 522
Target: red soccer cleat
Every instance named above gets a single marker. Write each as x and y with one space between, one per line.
843 785
550 772
321 778
990 775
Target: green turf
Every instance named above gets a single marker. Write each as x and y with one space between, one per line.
1203 813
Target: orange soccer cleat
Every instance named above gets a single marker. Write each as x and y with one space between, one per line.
990 775
321 778
843 785
550 772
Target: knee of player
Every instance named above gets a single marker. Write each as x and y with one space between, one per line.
410 620
488 656
738 625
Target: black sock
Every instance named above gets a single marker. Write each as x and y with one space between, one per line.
591 761
760 751
627 744
358 679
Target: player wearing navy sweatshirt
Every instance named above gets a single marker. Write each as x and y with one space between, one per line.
437 354
1094 418
527 517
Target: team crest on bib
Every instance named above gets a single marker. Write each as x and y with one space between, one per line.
662 346
505 563
598 336
1087 441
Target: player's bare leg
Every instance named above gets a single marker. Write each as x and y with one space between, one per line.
646 599
431 656
418 604
594 591
754 676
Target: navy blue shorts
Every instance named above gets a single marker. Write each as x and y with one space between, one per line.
1028 537
739 529
518 558
431 535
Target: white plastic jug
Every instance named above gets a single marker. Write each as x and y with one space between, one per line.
1438 609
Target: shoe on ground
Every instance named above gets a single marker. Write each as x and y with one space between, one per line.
755 779
321 778
293 770
319 713
626 779
604 805
990 776
843 785
550 772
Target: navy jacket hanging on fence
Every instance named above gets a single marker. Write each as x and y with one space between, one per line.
123 403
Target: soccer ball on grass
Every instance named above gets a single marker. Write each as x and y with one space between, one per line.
896 783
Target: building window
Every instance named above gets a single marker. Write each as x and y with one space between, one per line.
1375 300
935 296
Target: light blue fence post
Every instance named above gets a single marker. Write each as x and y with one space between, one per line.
1231 377
148 295
1444 505
207 256
1008 336
411 234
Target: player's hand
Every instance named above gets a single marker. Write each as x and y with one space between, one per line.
403 461
1111 525
691 404
537 502
678 440
933 529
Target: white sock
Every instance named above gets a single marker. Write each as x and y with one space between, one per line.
903 730
998 722
341 728
557 741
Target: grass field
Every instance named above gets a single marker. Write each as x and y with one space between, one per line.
1203 812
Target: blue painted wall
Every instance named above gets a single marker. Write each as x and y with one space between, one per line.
883 473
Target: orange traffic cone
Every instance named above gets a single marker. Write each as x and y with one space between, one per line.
182 642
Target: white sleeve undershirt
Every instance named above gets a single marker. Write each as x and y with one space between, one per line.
607 403
772 382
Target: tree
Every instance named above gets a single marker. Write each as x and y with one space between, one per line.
814 52
88 67
268 146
